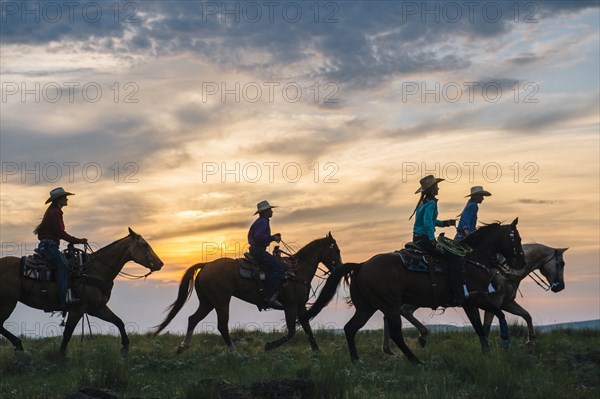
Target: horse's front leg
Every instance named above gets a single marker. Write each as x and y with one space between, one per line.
472 313
72 320
104 313
290 320
516 309
306 327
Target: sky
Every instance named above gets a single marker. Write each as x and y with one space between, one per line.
175 118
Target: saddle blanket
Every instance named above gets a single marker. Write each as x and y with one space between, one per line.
36 267
420 262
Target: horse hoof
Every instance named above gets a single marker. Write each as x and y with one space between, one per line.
422 341
387 351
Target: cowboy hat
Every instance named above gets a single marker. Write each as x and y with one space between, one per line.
263 206
57 193
478 190
427 182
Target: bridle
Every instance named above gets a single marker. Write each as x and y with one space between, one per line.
539 280
516 252
122 262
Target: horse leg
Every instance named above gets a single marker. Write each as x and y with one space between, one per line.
360 318
385 344
395 325
516 309
5 312
290 321
406 311
72 320
223 325
488 317
496 311
308 331
472 313
203 310
106 314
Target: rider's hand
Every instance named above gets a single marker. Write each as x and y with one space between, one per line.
277 237
450 222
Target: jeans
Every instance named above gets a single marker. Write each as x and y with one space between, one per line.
275 273
52 253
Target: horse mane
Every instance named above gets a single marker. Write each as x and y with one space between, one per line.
109 246
478 235
307 248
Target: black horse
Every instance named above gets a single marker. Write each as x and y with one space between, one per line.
383 283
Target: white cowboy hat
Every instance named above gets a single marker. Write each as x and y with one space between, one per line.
263 206
427 182
57 193
478 190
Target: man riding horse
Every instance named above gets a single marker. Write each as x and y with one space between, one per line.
468 218
259 238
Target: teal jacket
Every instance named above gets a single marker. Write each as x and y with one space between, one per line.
426 218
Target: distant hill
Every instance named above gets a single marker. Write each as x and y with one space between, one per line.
576 325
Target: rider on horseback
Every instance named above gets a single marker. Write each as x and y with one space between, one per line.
50 231
424 234
468 217
259 238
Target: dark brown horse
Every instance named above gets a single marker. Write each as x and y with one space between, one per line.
219 280
94 290
383 283
548 260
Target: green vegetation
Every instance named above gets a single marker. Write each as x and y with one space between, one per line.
564 364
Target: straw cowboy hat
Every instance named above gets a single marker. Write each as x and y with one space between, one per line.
263 206
57 193
427 182
478 190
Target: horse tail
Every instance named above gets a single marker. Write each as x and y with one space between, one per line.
329 290
186 287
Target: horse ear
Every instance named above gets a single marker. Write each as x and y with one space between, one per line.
132 233
514 223
561 250
329 235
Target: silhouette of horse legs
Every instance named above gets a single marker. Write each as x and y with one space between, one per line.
5 311
72 320
290 321
204 308
395 323
306 327
106 314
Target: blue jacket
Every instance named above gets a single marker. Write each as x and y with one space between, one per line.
468 219
426 218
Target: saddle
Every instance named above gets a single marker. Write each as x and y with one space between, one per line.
250 268
37 267
417 260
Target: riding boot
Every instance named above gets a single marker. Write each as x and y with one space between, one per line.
71 298
272 301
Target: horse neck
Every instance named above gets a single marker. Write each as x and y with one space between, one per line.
485 249
109 260
535 257
308 260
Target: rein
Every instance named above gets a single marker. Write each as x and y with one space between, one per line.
538 279
121 261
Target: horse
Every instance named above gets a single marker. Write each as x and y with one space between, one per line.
548 260
217 281
93 289
383 283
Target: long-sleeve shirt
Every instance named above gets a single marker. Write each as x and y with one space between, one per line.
259 235
426 218
53 227
468 219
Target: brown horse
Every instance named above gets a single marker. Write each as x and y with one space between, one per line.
219 280
383 283
93 290
548 260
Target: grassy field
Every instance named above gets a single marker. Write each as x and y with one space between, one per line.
564 364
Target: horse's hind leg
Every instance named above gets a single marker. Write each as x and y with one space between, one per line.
407 311
203 310
5 312
360 318
395 326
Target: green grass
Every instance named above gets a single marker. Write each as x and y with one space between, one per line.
564 364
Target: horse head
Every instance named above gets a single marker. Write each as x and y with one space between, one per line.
553 269
502 239
142 253
330 254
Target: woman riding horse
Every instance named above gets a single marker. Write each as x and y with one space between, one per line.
50 231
